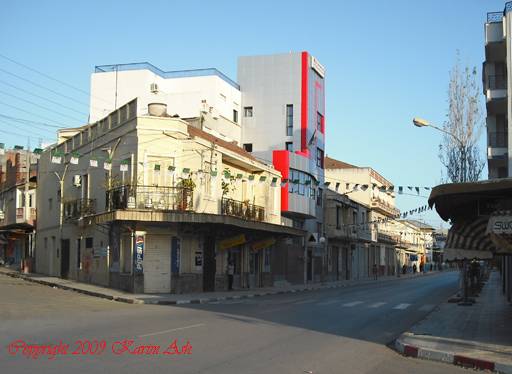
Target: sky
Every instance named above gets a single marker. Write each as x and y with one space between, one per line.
386 62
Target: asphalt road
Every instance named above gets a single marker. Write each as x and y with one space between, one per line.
327 331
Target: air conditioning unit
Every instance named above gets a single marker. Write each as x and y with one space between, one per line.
153 88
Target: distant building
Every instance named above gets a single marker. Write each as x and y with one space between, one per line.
18 179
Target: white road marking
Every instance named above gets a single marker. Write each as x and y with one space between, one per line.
426 308
376 305
171 330
402 306
329 302
353 303
305 302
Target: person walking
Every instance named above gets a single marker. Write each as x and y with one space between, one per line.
414 269
231 273
375 271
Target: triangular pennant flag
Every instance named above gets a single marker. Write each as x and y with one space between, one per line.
307 183
410 188
171 170
157 168
417 190
326 184
427 188
74 158
200 173
185 173
382 189
284 182
364 187
400 190
239 176
274 181
213 173
263 179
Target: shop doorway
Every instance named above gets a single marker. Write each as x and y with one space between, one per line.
64 259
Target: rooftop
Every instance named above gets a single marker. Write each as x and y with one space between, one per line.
331 163
166 74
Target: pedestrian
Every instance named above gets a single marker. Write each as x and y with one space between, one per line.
414 269
404 269
375 270
231 273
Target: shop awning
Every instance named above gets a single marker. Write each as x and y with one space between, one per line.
499 229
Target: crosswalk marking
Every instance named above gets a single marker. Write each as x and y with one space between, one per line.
353 303
402 306
329 302
376 305
305 301
426 308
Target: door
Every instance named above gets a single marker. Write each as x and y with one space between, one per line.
209 264
157 264
64 258
310 266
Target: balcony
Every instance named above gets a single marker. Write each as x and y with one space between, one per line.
496 82
20 215
242 209
149 198
79 208
497 139
383 207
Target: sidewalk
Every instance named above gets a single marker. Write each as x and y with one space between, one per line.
477 336
195 298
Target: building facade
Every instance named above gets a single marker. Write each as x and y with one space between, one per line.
496 89
150 203
18 170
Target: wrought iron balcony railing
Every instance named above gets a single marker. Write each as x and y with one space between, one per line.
79 208
242 209
493 17
149 198
498 139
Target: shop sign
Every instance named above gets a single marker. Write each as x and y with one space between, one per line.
99 252
139 253
175 255
500 225
232 242
262 244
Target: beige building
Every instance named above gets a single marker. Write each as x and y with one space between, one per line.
151 203
370 189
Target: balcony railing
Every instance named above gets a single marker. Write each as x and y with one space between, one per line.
20 215
493 17
497 139
496 82
149 198
384 206
242 209
79 208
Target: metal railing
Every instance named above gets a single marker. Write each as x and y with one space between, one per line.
242 209
383 205
496 82
78 208
497 139
149 198
493 17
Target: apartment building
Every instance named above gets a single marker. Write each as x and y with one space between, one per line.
152 203
348 237
495 73
275 111
18 168
366 186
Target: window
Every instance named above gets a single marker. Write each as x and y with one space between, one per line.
338 217
320 197
319 229
354 221
45 243
235 116
363 218
289 120
320 158
248 147
50 203
289 146
88 242
248 111
319 121
337 186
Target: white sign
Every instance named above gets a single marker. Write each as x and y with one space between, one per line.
500 225
318 67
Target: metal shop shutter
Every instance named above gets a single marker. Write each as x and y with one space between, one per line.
157 264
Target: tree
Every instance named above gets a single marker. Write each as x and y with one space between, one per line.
459 151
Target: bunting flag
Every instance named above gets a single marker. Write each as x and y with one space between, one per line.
263 179
171 170
200 174
74 158
107 165
123 166
251 178
274 181
213 173
185 173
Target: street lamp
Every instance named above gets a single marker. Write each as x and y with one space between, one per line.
420 122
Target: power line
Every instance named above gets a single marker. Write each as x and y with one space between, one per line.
39 106
18 134
34 114
25 129
42 97
27 121
50 77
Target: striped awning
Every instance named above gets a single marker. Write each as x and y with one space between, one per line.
470 235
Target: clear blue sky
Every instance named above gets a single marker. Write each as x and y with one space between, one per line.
386 61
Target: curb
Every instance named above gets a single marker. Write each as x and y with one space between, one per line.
450 358
129 300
